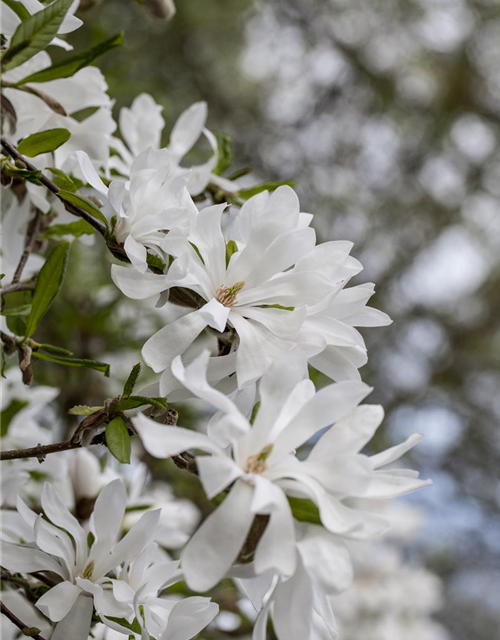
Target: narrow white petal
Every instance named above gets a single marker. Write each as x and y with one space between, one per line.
137 285
56 603
187 129
394 453
189 617
76 625
215 546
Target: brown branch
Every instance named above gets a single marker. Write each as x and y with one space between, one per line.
28 247
51 186
19 623
40 451
17 286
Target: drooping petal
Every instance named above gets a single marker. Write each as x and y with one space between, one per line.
189 617
162 441
216 473
58 601
215 546
137 285
171 341
76 624
276 548
327 558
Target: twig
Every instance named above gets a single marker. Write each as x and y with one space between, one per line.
28 247
51 186
40 451
19 623
17 286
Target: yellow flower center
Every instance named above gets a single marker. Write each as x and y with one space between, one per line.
257 463
227 295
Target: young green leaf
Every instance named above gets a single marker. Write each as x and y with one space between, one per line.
43 142
304 510
132 402
85 204
265 186
52 348
48 283
103 367
224 152
231 247
35 34
76 229
71 65
9 413
118 440
131 380
63 181
83 410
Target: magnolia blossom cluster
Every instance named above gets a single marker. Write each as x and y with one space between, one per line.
286 467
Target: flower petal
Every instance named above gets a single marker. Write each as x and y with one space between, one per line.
187 129
76 624
137 285
215 546
58 601
189 617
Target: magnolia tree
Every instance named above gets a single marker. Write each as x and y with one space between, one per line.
259 306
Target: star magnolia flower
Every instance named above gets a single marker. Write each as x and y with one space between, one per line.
62 547
138 586
141 127
255 292
300 606
154 201
259 463
277 291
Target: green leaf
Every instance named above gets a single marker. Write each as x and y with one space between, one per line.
43 142
35 34
155 261
103 367
231 247
23 174
131 380
63 181
52 348
76 229
48 283
18 8
83 410
132 402
276 306
85 204
304 510
22 310
8 414
118 439
265 186
72 64
224 152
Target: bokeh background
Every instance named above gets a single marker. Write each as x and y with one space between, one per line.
387 115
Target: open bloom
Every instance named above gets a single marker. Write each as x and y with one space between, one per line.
141 127
273 288
259 466
62 547
148 205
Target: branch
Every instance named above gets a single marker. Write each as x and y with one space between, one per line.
51 186
18 286
28 247
19 623
40 451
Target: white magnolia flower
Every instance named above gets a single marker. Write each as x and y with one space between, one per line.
300 605
259 464
178 518
276 289
153 201
61 546
138 586
141 127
